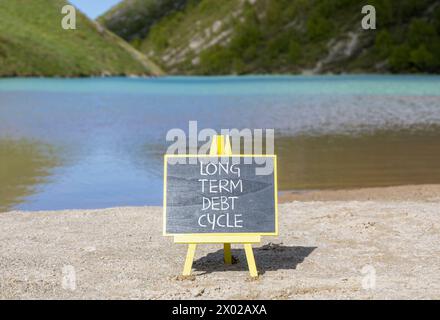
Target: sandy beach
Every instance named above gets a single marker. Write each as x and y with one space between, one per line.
378 243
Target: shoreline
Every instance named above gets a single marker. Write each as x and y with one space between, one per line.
324 251
146 75
421 192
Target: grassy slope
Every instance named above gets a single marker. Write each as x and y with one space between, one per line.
32 43
291 36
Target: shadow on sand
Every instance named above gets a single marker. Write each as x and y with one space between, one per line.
269 257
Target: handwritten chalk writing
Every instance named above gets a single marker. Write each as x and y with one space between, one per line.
224 220
214 184
218 186
211 169
219 203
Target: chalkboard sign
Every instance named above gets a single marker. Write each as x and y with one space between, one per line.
220 195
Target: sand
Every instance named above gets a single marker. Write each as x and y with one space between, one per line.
357 244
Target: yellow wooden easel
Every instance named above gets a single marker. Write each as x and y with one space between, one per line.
220 146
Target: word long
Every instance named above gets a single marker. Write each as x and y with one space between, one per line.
211 169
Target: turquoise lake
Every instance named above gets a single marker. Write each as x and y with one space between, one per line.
96 143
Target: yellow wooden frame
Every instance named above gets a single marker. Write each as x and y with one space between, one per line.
220 147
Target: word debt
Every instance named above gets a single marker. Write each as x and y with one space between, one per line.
219 203
223 220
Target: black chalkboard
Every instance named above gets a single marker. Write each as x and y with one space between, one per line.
219 195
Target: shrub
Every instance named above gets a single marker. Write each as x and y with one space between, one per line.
421 32
437 19
318 27
383 43
294 52
422 58
400 58
216 60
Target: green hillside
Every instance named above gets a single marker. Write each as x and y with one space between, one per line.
285 36
32 43
142 15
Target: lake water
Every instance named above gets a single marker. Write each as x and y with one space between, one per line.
94 143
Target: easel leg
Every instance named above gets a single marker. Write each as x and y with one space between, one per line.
227 253
189 259
251 260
